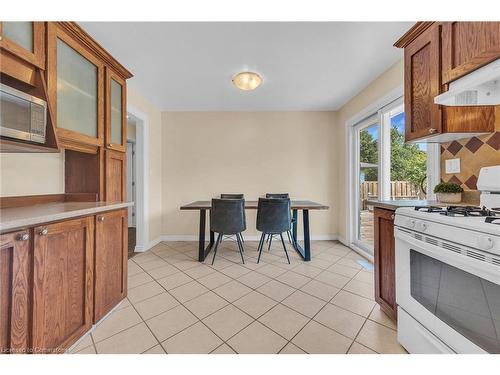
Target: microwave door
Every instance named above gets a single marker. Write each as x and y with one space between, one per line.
15 117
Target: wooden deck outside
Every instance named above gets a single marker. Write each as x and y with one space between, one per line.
366 227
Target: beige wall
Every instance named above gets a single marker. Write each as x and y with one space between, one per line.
31 174
385 83
207 153
154 149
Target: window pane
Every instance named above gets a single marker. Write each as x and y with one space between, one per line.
76 91
408 162
368 180
20 33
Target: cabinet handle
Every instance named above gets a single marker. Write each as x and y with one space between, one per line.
23 237
110 145
43 232
432 130
392 217
100 218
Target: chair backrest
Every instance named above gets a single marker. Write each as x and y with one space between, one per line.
277 195
232 196
273 215
227 216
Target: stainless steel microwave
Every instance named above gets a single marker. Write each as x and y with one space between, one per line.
22 116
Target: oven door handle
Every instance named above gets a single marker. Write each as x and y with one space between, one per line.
469 264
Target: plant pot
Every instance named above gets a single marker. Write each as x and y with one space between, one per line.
449 197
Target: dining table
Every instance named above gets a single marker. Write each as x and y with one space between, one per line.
296 205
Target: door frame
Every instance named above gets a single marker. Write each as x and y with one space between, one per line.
142 180
392 98
131 173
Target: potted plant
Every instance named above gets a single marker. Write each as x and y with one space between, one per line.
448 192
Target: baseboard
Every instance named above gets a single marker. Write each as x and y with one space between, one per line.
255 237
141 249
361 252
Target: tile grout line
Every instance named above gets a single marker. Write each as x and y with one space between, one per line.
251 289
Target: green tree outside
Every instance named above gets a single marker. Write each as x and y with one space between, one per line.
408 161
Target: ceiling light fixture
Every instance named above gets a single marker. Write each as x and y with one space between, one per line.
247 81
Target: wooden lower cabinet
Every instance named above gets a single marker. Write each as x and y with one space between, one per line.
111 259
62 283
15 291
385 278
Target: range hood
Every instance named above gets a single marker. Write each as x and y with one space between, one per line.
480 87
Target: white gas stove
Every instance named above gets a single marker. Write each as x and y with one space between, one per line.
448 274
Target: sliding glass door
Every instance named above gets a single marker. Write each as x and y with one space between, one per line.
384 167
367 172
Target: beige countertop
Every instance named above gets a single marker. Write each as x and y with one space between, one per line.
22 217
395 204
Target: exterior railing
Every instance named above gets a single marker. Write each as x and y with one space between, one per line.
399 190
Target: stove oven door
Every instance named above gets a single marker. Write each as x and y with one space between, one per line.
454 292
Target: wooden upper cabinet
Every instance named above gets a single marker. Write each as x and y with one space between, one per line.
75 85
111 259
63 283
422 81
15 291
436 52
116 121
26 40
468 46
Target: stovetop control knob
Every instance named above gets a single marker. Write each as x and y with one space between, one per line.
410 223
485 242
421 226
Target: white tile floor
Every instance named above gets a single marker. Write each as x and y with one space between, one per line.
177 305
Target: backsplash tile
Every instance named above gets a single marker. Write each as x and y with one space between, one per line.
474 153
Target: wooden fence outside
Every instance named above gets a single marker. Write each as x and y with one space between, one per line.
399 190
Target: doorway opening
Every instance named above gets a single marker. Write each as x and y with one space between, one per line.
137 179
131 183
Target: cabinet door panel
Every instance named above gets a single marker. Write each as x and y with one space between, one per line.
115 176
63 283
422 84
385 284
116 122
111 257
76 87
25 40
468 46
15 292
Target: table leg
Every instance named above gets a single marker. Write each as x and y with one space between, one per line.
307 238
201 238
294 226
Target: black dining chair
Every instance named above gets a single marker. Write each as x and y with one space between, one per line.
288 233
227 217
273 218
233 196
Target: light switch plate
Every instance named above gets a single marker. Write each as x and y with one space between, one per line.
453 165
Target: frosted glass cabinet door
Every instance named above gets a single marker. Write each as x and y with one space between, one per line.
77 92
20 33
115 112
25 40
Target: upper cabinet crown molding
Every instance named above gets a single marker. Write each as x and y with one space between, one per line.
412 34
76 32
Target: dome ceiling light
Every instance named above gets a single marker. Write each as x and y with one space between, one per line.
247 81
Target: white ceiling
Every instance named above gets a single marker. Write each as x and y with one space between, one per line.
306 66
